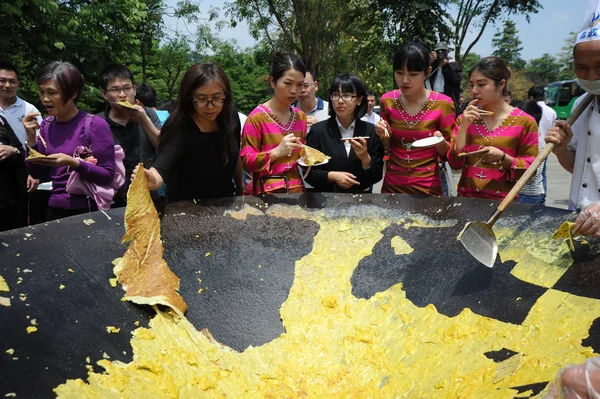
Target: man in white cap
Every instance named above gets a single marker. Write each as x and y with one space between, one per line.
577 147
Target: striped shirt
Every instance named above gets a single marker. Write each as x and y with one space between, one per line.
415 170
517 136
262 134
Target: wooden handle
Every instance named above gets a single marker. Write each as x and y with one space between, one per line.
542 156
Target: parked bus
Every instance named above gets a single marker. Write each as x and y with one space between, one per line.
561 96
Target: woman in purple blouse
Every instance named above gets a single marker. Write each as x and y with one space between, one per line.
60 84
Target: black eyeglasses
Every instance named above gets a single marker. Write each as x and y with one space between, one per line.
118 90
203 103
344 96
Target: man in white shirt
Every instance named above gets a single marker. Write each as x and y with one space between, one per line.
315 108
578 147
14 109
370 116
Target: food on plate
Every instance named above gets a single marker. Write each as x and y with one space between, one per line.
312 156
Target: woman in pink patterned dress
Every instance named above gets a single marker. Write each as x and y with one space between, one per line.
275 131
409 114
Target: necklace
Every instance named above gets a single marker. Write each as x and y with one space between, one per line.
414 119
488 135
284 128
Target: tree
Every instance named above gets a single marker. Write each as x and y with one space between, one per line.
247 70
170 63
413 20
478 14
508 45
467 64
565 58
311 28
519 85
543 70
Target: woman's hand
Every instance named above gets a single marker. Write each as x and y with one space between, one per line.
31 126
560 135
288 144
57 160
361 150
151 180
493 156
383 129
470 115
32 184
343 179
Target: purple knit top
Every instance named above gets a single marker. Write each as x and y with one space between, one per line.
64 137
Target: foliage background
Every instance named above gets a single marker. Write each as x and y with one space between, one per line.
362 39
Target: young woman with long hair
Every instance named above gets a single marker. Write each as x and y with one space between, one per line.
508 135
198 152
275 131
412 113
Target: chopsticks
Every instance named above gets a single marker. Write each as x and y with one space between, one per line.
485 112
354 138
466 154
387 134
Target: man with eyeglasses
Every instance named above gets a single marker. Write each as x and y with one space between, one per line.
315 108
14 109
135 129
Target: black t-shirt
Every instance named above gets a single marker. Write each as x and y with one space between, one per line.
13 173
193 166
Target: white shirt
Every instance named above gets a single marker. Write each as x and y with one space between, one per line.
346 134
585 185
15 113
373 118
439 83
548 118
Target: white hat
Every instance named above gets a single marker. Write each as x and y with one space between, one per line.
591 24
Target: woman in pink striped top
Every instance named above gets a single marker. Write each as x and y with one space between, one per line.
508 135
409 114
275 131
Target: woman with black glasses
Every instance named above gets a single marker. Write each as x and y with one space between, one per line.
199 148
355 149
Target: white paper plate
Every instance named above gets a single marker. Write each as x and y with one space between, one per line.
301 163
427 142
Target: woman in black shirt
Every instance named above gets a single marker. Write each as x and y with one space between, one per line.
355 149
198 153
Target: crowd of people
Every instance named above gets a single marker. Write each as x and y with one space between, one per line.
205 149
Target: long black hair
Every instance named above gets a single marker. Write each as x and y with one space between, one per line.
197 76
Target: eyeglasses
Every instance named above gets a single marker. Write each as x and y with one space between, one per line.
307 85
12 82
203 103
118 90
344 96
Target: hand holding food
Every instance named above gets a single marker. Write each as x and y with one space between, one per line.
136 113
150 178
359 145
288 144
383 129
53 160
588 221
31 126
470 114
312 156
493 155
